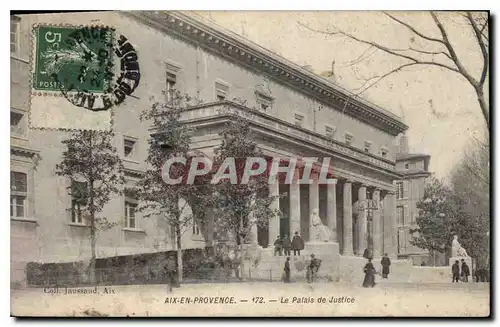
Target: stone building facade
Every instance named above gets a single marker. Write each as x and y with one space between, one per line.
294 113
409 190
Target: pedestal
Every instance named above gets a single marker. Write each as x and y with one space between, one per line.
328 253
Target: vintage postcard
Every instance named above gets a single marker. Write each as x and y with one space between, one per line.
245 164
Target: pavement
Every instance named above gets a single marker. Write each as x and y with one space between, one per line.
299 299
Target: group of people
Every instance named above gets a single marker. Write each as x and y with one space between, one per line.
458 271
285 245
369 269
311 269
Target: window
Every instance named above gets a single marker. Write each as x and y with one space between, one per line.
399 190
17 123
368 146
329 131
79 196
171 81
407 166
196 228
401 241
264 101
348 138
221 91
14 34
384 152
131 204
401 215
128 147
172 73
299 119
18 194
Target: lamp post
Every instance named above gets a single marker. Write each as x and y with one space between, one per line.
369 205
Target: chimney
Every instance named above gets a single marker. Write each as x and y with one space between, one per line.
403 143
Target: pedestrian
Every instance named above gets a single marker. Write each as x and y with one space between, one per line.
312 269
287 245
171 271
385 262
369 270
278 245
286 271
465 271
297 244
455 270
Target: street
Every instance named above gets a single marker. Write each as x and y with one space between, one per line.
258 299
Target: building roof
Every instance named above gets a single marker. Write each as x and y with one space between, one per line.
405 156
236 48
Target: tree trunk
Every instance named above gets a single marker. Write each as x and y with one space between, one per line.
241 251
484 107
93 254
179 252
92 232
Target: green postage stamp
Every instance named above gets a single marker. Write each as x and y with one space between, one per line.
75 58
79 74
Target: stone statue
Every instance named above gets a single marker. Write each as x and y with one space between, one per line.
456 249
319 232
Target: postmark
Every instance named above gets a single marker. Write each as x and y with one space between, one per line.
80 75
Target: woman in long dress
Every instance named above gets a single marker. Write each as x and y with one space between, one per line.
369 270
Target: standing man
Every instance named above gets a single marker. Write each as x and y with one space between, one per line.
286 277
297 244
287 245
312 269
171 271
465 271
455 270
278 245
386 262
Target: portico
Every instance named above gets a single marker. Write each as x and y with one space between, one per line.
361 178
340 210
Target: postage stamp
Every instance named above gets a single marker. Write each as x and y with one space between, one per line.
90 68
249 164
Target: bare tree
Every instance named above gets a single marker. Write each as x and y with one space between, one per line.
434 51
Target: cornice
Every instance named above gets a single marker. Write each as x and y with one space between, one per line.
248 54
218 113
24 152
133 173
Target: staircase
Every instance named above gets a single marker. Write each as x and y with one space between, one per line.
270 267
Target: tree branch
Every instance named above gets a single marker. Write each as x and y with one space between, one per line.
360 57
484 52
383 48
411 28
451 50
384 76
431 52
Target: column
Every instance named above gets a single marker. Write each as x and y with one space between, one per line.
376 225
294 206
347 231
313 203
390 225
362 221
331 210
274 222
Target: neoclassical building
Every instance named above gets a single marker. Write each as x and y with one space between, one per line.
293 112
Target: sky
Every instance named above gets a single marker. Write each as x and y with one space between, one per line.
440 107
